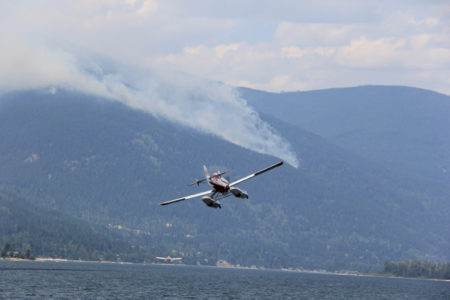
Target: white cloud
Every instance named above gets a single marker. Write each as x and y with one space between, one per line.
294 40
313 34
427 21
295 52
399 42
365 53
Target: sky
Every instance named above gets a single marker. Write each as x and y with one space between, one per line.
181 59
268 45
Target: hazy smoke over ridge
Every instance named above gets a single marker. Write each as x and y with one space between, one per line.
207 106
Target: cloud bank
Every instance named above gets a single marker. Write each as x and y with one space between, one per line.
396 50
269 45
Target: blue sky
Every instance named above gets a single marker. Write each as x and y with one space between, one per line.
268 45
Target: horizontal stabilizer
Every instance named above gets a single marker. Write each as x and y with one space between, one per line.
197 182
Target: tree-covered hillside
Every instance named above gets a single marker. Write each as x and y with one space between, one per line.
417 269
109 165
403 128
26 227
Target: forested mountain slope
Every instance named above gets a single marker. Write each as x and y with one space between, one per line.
110 166
51 233
403 128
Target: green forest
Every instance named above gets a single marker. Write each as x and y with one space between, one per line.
76 183
10 251
417 269
28 231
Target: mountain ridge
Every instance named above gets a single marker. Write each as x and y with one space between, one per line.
403 128
110 164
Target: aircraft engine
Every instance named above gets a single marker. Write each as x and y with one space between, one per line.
209 201
237 192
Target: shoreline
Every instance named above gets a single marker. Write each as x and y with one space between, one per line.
51 259
322 272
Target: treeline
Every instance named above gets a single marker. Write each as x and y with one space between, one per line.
417 269
10 251
42 232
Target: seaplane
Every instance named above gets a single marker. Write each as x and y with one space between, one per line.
221 188
169 258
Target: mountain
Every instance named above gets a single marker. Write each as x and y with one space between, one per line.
108 165
55 234
403 128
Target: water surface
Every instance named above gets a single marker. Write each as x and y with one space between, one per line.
76 280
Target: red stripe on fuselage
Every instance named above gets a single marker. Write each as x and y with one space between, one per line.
219 184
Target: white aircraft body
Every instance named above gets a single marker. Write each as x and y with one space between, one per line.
221 188
169 259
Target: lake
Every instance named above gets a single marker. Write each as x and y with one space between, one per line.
72 280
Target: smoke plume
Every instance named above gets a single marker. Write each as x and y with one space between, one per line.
207 106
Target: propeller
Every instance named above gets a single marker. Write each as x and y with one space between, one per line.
198 181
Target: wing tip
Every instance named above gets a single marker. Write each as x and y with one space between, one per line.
172 201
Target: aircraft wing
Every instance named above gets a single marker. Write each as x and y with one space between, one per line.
256 173
187 197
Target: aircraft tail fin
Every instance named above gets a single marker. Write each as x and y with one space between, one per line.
206 172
